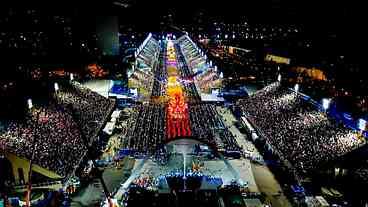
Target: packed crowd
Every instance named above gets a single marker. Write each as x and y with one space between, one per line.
186 73
160 75
49 136
294 128
89 109
147 133
207 126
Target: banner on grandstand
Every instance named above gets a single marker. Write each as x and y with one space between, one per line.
314 73
277 59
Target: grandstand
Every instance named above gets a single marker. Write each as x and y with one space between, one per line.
141 76
81 101
297 130
52 139
201 70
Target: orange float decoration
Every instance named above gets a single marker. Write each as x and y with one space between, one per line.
177 116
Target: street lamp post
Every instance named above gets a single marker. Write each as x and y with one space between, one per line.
34 145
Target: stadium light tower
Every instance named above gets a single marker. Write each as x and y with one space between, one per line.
296 88
29 103
326 103
56 87
362 124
